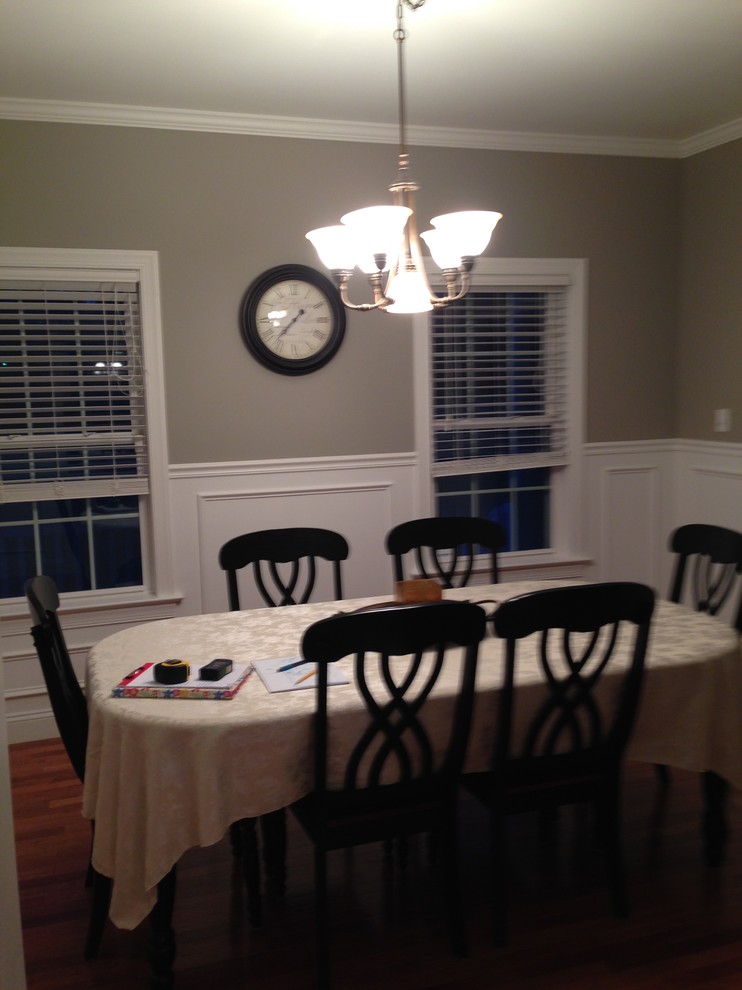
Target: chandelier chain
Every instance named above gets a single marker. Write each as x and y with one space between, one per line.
400 36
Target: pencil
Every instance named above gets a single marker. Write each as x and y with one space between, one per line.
305 677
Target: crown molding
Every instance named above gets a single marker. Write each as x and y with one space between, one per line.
711 139
167 118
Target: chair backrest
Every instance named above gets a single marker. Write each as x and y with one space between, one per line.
715 558
399 654
445 547
581 715
65 694
299 547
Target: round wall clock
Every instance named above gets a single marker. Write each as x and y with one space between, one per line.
292 319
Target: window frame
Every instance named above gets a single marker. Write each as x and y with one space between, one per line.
566 490
74 264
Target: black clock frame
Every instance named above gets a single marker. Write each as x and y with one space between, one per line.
249 326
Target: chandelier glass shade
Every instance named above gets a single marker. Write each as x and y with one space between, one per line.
383 242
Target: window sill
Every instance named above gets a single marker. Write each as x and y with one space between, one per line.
140 606
539 560
529 566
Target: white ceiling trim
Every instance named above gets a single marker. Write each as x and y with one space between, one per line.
167 118
711 139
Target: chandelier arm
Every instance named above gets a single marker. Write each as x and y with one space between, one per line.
342 277
452 275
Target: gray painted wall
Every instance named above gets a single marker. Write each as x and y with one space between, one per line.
220 209
710 326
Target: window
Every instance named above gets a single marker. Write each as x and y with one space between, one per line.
518 500
79 433
501 409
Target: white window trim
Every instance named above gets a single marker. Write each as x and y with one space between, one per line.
566 506
74 263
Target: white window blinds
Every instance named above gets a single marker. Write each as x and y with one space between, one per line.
499 381
72 413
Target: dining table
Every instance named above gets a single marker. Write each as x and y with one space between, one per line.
165 775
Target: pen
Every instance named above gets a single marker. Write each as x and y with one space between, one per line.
290 666
306 676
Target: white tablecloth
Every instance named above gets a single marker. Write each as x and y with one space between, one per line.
163 776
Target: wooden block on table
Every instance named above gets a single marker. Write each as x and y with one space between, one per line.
417 591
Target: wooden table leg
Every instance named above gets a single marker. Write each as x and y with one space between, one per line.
251 871
273 829
714 827
98 913
161 944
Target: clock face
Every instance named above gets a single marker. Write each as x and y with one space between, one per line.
292 319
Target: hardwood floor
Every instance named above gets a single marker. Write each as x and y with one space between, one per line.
388 930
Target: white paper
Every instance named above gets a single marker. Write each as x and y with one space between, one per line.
296 678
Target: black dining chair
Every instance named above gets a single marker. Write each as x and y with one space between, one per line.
284 568
573 726
446 548
266 550
71 716
708 562
389 779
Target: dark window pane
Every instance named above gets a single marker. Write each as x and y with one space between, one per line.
496 506
121 503
63 508
118 560
454 505
63 530
65 555
518 500
17 558
15 512
531 477
533 520
455 484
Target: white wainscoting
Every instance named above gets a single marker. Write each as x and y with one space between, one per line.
709 485
628 491
359 497
638 493
635 495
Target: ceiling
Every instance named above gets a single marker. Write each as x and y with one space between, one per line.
640 76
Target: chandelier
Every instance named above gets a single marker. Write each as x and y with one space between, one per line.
383 242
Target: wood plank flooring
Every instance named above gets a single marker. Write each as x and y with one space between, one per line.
388 927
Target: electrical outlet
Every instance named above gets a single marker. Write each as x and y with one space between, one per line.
722 420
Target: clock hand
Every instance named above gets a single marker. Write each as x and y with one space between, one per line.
289 325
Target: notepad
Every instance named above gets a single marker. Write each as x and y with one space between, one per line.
297 678
144 685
